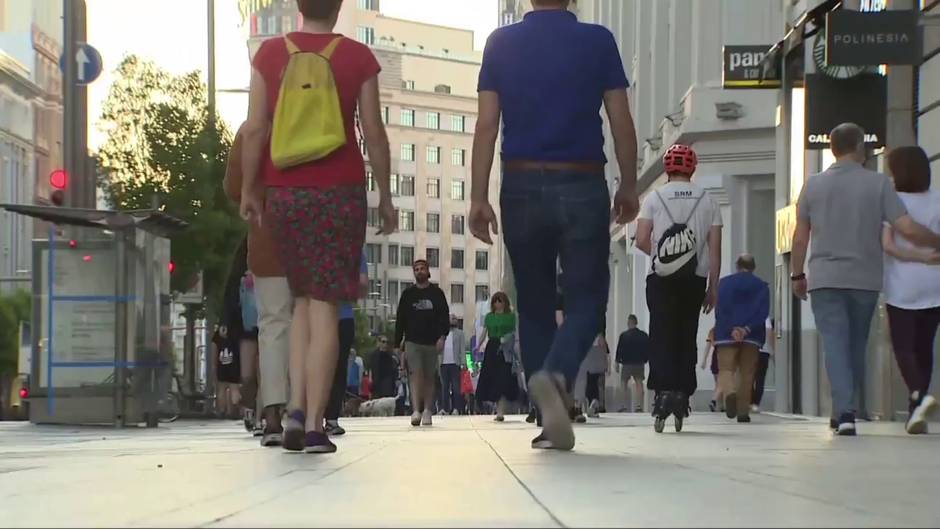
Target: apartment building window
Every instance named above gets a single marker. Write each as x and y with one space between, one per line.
407 256
457 190
508 18
287 24
433 256
407 84
386 113
434 188
408 152
393 293
483 293
442 89
368 5
456 259
407 117
393 184
374 253
434 222
434 120
458 157
365 35
393 255
406 220
362 147
456 293
458 123
371 184
483 260
373 219
434 154
407 186
457 224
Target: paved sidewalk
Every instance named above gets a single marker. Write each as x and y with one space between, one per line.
466 472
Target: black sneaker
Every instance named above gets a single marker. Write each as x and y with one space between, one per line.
333 429
318 443
713 405
847 424
744 419
531 417
834 425
542 443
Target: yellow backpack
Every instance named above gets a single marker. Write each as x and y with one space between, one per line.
308 120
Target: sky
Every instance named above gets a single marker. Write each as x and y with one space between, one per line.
172 33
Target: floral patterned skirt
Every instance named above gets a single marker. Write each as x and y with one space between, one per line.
319 234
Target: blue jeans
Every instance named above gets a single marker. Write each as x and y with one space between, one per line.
548 216
843 317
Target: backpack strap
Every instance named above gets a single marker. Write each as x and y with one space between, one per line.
292 48
331 48
697 202
665 206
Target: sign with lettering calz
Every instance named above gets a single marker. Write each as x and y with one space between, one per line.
855 38
862 100
743 68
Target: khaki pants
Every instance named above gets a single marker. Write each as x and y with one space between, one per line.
741 358
275 311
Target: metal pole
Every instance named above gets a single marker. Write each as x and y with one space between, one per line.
210 23
70 98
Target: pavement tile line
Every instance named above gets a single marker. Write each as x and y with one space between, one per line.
521 483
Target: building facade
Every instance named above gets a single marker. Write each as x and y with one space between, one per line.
672 51
428 90
31 117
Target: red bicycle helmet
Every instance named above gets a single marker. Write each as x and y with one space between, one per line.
680 159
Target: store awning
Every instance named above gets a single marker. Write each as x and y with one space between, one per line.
798 33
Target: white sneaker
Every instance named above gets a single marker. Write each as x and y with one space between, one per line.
917 424
755 408
426 418
454 412
416 418
592 409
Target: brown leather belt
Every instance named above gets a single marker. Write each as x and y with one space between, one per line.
575 167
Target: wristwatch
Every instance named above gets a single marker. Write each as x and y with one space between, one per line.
798 277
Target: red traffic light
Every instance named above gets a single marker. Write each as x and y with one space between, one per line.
171 267
24 393
59 179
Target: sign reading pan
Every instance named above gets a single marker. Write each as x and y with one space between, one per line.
855 38
743 69
830 102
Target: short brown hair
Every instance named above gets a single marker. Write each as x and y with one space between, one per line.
846 139
318 9
502 297
910 168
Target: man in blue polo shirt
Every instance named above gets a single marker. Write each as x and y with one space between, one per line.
547 77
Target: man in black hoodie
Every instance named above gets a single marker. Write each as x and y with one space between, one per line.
422 323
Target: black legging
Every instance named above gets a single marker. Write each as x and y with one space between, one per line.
759 379
347 334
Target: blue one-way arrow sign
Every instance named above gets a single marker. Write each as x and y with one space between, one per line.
87 64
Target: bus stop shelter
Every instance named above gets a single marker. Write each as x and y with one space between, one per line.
101 351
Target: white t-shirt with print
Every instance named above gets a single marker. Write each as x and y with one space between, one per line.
681 197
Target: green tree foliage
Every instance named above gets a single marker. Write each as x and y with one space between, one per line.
13 309
161 144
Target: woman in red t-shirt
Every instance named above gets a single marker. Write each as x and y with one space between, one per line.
316 211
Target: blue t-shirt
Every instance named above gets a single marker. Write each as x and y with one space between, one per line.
551 73
346 309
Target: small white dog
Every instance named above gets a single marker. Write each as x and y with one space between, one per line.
383 407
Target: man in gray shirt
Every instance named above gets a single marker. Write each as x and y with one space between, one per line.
844 208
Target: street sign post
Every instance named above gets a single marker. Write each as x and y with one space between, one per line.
88 64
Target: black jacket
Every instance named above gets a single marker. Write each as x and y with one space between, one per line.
423 316
633 347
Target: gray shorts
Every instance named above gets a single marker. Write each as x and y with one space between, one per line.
634 371
423 357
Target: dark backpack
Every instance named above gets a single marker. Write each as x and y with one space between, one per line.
676 253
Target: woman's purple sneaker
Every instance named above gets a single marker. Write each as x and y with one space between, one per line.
293 424
318 443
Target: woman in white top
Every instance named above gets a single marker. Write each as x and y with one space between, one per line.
912 283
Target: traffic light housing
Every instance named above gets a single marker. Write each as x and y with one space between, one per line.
59 181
